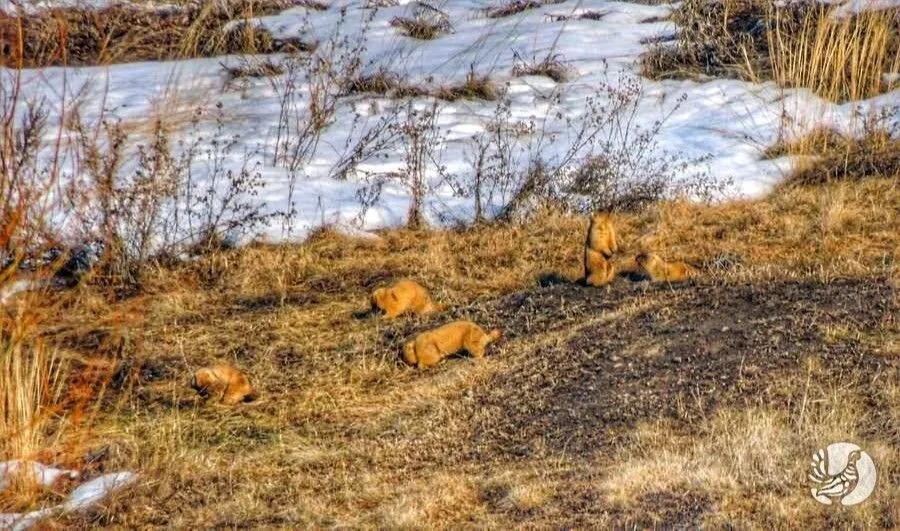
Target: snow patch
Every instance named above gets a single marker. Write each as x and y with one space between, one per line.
726 123
83 497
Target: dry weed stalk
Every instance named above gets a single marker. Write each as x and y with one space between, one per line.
838 58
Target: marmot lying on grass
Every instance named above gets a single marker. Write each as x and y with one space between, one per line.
404 296
661 271
428 348
223 383
599 247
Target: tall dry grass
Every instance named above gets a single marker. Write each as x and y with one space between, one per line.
839 58
30 384
796 44
119 33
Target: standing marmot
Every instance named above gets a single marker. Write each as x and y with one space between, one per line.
599 247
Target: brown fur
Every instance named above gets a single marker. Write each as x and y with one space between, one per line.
223 383
599 247
629 268
402 297
598 270
429 348
661 271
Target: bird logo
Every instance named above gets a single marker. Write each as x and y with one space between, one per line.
841 472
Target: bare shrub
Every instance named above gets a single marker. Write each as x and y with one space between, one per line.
552 66
608 162
494 157
421 138
427 23
179 196
309 94
29 168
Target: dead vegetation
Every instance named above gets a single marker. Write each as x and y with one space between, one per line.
386 83
552 66
597 409
514 7
799 44
584 15
475 86
824 155
119 33
253 69
426 23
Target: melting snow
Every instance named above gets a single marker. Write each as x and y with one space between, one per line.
84 496
729 122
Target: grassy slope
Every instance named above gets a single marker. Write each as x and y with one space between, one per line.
635 404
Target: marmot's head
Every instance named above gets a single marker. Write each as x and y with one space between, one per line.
600 218
201 380
646 259
409 353
378 297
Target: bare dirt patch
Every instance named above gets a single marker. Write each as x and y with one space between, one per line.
712 346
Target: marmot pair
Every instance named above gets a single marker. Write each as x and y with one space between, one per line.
428 348
601 245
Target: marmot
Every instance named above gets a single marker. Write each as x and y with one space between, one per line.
599 246
661 271
224 383
403 296
428 348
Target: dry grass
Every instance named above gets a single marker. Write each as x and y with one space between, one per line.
122 33
842 59
828 156
475 87
584 15
346 436
514 7
427 23
253 69
716 39
389 83
385 82
552 66
797 45
31 388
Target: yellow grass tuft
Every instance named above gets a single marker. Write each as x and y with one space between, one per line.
837 58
